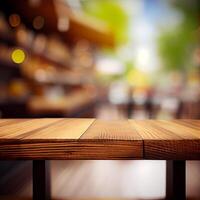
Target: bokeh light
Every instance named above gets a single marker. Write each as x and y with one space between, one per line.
14 20
38 22
18 56
63 24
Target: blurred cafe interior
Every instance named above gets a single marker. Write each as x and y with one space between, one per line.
106 59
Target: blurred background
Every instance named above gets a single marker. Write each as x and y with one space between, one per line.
109 59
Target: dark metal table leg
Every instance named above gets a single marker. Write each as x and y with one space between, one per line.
41 180
176 180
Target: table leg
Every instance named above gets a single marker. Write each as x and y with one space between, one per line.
41 180
176 180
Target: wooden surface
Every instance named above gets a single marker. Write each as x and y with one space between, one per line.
99 139
169 140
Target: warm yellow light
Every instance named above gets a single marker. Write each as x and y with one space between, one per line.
18 56
14 20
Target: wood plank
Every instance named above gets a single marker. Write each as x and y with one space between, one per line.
71 149
150 131
43 139
99 139
61 140
188 123
64 129
10 121
172 150
168 140
15 128
183 131
117 137
111 130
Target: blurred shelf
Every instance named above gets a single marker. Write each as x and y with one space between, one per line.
56 62
47 58
80 26
13 108
8 64
9 101
66 105
11 40
69 79
8 70
7 38
68 82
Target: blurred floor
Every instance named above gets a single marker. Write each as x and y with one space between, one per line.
101 179
119 179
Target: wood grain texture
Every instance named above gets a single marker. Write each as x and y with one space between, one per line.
60 140
126 143
41 138
71 150
63 129
16 128
188 123
169 140
111 130
99 139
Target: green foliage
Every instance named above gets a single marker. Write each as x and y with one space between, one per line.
175 46
111 12
129 66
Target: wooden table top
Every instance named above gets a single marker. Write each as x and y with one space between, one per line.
99 139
